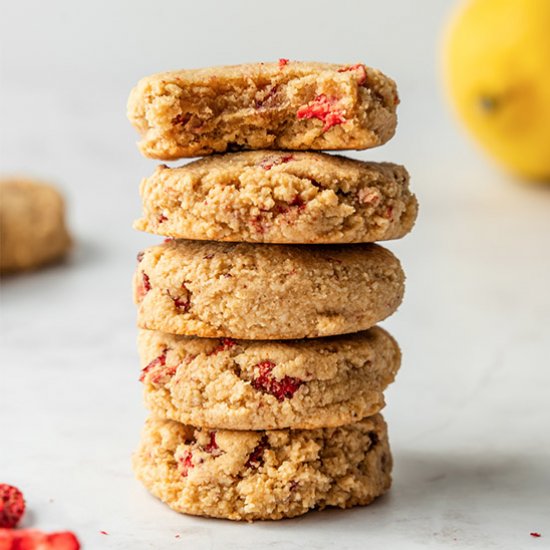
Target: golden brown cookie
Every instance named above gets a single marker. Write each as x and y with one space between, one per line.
245 475
277 197
253 292
265 385
32 225
284 105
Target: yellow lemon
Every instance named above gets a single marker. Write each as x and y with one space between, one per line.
497 71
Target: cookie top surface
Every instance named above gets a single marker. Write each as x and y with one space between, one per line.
271 291
262 385
249 475
292 105
279 197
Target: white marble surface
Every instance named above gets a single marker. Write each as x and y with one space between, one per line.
469 414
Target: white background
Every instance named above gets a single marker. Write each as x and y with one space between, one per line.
469 413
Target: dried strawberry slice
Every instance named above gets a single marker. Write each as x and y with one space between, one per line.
12 505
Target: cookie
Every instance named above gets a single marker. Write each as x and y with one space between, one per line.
285 105
265 385
277 197
32 225
246 475
252 292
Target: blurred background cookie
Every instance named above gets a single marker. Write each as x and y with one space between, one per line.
32 225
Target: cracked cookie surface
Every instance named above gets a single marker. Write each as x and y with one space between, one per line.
252 475
292 105
279 197
245 291
265 385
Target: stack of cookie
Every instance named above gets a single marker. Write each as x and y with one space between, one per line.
263 370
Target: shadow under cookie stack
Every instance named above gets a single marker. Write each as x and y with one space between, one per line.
262 366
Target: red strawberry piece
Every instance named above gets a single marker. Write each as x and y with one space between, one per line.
212 446
269 162
361 71
323 109
159 361
183 302
140 256
269 98
224 345
282 389
12 505
257 224
158 371
32 539
256 457
186 463
143 287
283 62
299 202
162 218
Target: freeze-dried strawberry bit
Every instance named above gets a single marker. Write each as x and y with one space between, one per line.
12 505
535 535
361 72
140 256
183 302
212 447
186 463
32 539
224 345
367 195
283 62
256 457
322 108
168 239
182 119
143 287
389 213
298 202
269 162
257 223
282 389
159 361
161 218
161 376
293 485
267 98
